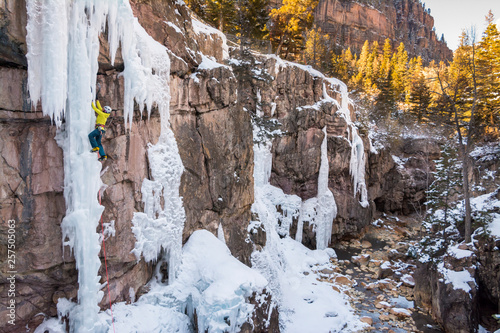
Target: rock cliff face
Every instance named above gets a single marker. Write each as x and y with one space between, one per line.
350 23
214 135
398 178
214 138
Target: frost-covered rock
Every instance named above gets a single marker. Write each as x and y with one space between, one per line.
449 290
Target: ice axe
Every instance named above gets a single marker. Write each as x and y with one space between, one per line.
98 90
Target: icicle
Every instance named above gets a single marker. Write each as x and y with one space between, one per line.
321 210
357 163
47 40
327 207
220 234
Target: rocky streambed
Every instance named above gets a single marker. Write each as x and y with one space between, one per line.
377 275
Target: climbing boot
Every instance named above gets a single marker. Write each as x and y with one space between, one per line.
103 158
94 150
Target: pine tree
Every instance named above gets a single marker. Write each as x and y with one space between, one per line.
442 195
253 17
419 93
488 79
385 102
222 14
316 52
445 191
287 25
399 73
459 88
372 70
344 66
198 6
361 65
385 62
339 66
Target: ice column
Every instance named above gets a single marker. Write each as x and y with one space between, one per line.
322 209
62 39
327 207
357 164
270 261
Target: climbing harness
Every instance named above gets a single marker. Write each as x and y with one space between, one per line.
106 265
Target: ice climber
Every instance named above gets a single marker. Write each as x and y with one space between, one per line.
100 123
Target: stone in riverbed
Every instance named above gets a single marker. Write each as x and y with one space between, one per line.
401 313
361 259
343 280
382 305
366 244
408 280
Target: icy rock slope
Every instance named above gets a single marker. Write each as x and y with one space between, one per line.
305 305
291 269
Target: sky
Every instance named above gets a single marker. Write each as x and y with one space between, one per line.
453 16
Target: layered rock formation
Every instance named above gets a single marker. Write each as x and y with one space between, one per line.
399 177
350 23
214 138
452 304
214 135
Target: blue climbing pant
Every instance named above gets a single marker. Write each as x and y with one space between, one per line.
95 140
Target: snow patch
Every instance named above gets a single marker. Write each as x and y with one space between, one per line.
176 28
209 63
455 252
202 28
210 281
459 280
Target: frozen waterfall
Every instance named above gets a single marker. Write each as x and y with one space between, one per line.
63 48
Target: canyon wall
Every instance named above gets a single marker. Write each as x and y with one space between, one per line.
350 23
214 135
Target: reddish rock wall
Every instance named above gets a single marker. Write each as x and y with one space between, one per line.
215 141
350 23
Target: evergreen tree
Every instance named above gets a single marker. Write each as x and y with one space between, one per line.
444 191
399 73
287 25
488 79
339 66
244 18
385 62
361 65
222 14
420 98
316 52
442 195
253 17
372 70
198 6
385 102
344 65
419 92
459 88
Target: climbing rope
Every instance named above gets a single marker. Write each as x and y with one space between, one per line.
106 265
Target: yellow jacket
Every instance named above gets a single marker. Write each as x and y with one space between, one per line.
101 115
